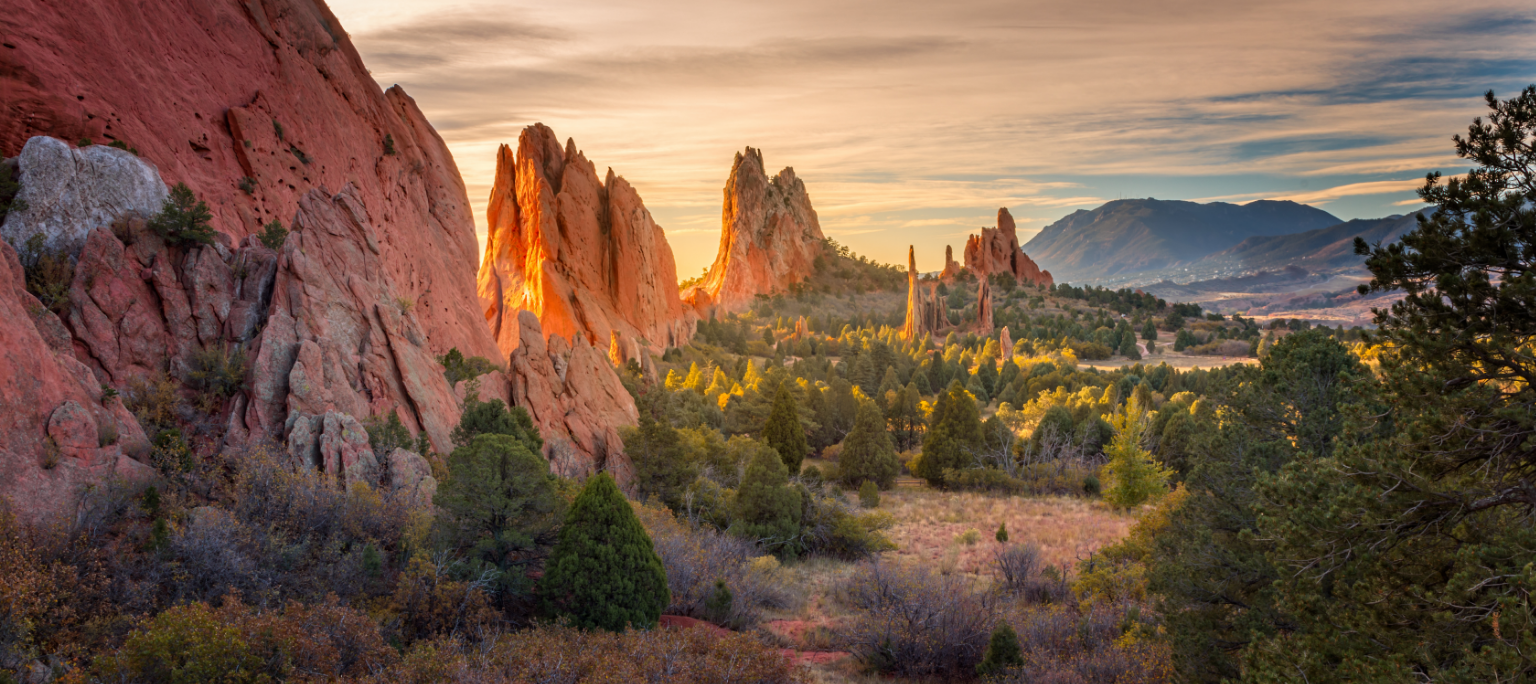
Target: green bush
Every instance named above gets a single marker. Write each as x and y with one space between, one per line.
273 235
1003 651
604 572
1133 476
1002 533
718 606
494 418
387 434
217 373
869 495
9 187
983 480
183 218
456 367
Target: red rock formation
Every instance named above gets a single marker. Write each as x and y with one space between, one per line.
983 306
997 250
769 238
582 253
54 414
581 398
1005 343
259 106
925 311
951 269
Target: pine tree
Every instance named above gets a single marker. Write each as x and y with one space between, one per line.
1002 533
867 454
604 573
1149 332
783 431
767 508
1132 475
955 432
498 503
869 495
183 218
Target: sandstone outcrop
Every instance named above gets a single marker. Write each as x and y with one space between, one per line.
67 192
925 309
580 252
951 267
983 306
1005 342
581 401
996 250
59 429
769 238
261 107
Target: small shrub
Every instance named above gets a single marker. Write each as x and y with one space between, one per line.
217 373
913 623
456 367
106 434
273 235
969 537
718 607
51 454
277 128
299 154
124 147
153 401
386 435
1002 533
1003 651
697 557
248 185
983 480
389 144
183 218
404 304
48 273
1091 485
869 494
84 142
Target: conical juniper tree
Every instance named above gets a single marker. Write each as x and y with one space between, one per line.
604 573
783 430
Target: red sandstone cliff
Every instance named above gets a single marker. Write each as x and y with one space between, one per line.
769 237
266 111
583 254
997 250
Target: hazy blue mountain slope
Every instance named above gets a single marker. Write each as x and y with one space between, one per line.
1129 236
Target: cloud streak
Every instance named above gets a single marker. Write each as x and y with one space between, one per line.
911 122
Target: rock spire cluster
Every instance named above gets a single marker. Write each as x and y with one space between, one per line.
925 309
996 250
581 252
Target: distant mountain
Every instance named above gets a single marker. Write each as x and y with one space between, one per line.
1130 236
1316 250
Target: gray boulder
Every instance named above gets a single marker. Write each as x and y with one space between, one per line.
68 192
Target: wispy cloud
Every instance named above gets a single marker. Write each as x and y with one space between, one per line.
912 122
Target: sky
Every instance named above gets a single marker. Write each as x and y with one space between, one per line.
913 122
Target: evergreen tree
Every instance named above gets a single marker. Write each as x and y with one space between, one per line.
767 508
952 437
183 218
499 503
904 417
1131 475
663 468
783 431
1149 332
888 384
604 573
867 454
1002 652
494 418
869 495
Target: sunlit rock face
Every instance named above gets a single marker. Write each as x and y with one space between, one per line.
769 237
996 250
581 252
265 110
925 310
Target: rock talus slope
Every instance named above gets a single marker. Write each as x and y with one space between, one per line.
580 252
769 237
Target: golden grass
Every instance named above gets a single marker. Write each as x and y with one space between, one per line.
930 525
